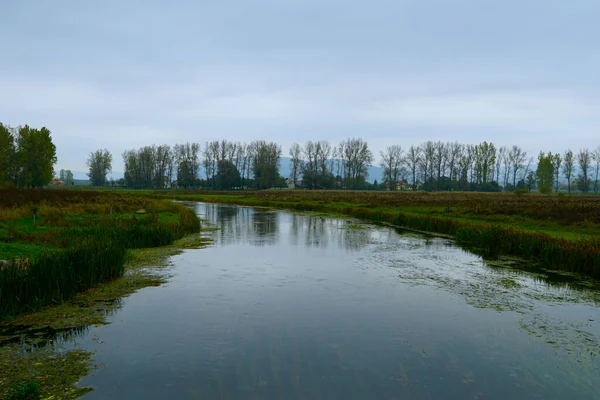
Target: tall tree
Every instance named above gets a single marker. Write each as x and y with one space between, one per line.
596 158
358 157
296 162
228 175
265 163
100 164
439 161
545 172
413 160
556 163
7 155
516 157
36 156
568 164
315 167
391 162
584 159
211 155
485 159
69 181
499 159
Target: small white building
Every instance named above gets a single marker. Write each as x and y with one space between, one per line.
290 183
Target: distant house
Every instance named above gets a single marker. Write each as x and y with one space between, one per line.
56 182
402 185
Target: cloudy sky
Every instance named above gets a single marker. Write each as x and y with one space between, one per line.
127 73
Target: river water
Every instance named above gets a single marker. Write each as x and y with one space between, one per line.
290 306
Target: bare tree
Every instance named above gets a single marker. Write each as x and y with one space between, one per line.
596 157
568 164
584 159
296 163
499 160
391 162
357 160
413 160
465 163
210 159
439 161
315 169
454 153
428 152
162 159
516 158
556 163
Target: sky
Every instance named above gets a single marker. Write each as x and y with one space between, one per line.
124 74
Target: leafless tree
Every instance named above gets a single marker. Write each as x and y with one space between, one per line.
584 159
296 163
391 162
413 160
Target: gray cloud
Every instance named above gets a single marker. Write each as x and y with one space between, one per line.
125 74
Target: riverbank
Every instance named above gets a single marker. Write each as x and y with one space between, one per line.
53 368
56 244
558 232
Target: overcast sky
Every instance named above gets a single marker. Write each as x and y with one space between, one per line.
127 73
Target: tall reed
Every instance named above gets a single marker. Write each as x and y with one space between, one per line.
87 256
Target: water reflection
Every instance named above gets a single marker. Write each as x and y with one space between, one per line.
261 227
242 225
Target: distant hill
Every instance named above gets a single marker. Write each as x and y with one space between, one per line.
374 171
82 179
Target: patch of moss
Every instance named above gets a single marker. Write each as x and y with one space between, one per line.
55 372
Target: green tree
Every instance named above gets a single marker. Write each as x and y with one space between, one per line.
7 155
265 163
228 175
69 178
545 172
530 181
100 164
36 157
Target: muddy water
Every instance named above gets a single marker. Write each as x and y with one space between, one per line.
287 306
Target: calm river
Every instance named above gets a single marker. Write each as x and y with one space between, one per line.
289 306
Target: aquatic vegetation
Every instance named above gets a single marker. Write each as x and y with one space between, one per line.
82 239
46 329
42 373
28 390
558 232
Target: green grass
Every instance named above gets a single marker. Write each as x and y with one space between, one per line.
17 250
76 242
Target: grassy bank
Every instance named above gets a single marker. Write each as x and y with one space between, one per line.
57 243
50 367
561 232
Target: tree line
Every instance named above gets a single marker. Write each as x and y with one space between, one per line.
27 156
225 164
484 167
430 166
